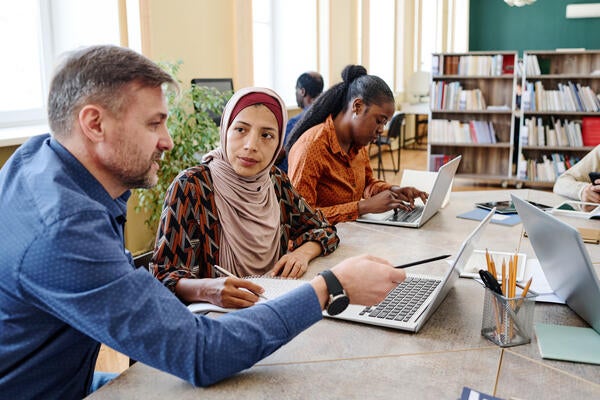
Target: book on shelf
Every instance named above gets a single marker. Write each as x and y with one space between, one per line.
568 96
437 160
451 65
451 96
557 133
545 168
590 131
453 131
508 64
480 65
435 65
532 67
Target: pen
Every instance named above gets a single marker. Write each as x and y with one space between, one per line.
411 264
225 272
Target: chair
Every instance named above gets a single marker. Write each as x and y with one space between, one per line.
143 260
394 132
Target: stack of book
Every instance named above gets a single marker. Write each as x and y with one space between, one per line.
545 168
451 96
474 65
556 134
569 97
452 131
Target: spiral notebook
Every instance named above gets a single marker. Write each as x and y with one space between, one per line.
274 287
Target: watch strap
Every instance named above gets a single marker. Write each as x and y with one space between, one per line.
334 287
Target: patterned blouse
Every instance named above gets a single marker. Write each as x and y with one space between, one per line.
187 241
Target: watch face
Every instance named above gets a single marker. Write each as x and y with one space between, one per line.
338 304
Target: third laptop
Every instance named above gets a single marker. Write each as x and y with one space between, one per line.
422 212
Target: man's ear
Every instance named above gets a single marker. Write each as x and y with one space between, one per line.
90 122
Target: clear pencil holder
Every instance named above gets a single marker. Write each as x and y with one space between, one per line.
507 321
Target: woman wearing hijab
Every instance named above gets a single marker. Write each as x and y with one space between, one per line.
236 210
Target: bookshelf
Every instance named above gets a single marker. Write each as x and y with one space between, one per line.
472 112
560 113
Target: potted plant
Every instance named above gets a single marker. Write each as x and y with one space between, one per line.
194 133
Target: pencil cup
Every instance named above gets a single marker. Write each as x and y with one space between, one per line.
507 321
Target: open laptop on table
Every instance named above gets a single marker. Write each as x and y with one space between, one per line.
422 212
409 305
564 260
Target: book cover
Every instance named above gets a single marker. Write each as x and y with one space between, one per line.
568 343
479 214
508 64
590 131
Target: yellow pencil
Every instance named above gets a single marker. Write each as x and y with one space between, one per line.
503 277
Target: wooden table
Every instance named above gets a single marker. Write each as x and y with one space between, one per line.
336 359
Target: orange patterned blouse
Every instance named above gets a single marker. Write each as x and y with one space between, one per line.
329 178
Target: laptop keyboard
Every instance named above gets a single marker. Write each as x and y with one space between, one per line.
407 216
403 301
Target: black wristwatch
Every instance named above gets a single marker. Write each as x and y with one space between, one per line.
338 300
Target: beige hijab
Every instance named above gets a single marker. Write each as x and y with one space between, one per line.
247 207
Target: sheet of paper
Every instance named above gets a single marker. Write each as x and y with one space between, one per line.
477 261
422 180
539 283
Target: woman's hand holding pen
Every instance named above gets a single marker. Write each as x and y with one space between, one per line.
232 292
228 292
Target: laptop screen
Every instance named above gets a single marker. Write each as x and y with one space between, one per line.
564 260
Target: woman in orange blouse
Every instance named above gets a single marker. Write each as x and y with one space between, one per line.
328 159
238 211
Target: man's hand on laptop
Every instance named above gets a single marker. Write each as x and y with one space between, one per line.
366 279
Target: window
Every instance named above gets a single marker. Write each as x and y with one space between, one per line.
284 43
382 41
21 74
46 29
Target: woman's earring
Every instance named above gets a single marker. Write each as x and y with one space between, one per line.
354 115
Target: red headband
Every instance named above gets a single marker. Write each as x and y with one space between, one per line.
259 98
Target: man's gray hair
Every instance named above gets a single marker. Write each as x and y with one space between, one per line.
99 75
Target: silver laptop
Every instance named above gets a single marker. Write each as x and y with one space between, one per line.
422 212
409 305
564 260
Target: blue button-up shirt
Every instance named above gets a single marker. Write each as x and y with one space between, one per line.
68 284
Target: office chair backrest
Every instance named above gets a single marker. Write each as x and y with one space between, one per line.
143 260
395 126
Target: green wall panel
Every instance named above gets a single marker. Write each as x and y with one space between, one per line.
494 25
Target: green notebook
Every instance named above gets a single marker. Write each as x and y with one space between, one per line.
568 343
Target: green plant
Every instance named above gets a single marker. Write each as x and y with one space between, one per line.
194 133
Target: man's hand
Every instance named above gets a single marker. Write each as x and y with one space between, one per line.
591 193
366 279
